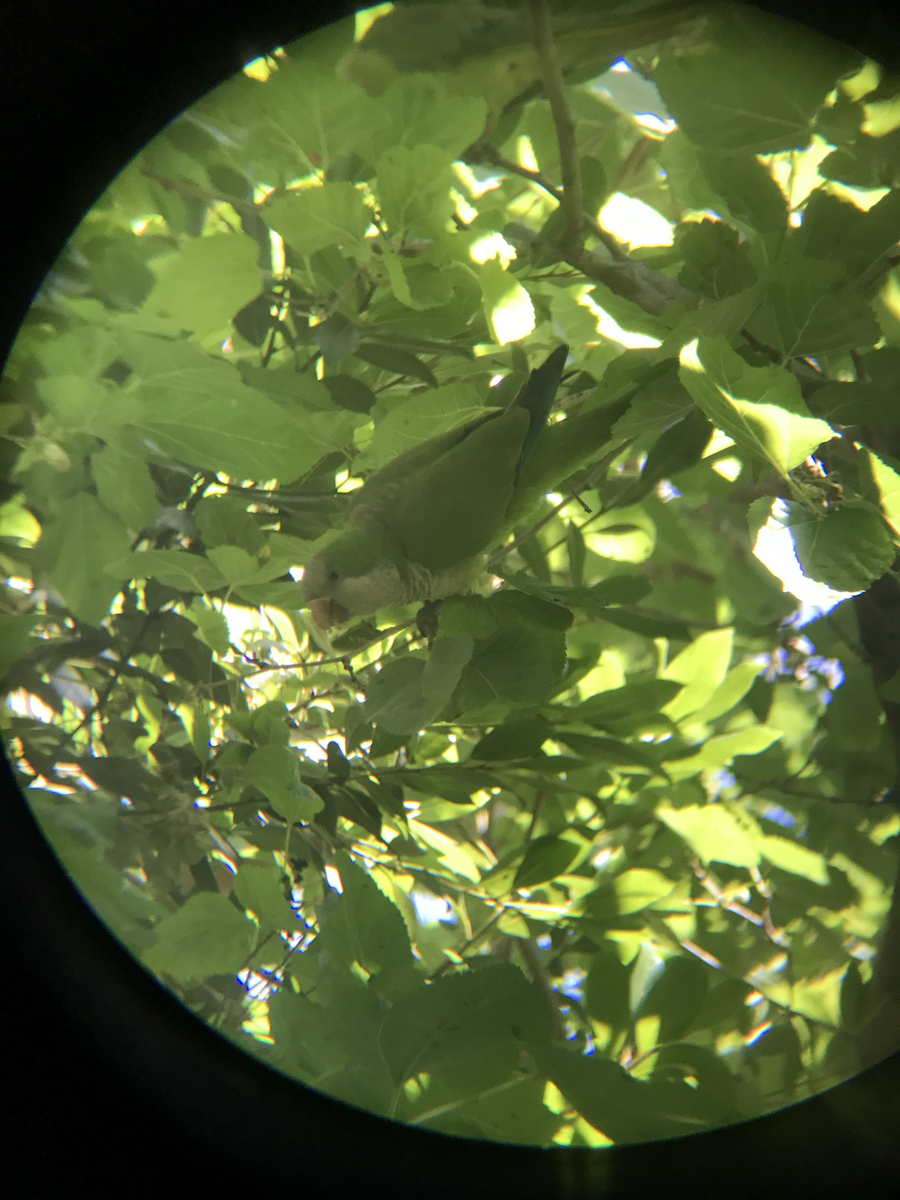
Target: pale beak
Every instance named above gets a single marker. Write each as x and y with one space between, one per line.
327 612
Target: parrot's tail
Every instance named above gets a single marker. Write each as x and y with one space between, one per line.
537 397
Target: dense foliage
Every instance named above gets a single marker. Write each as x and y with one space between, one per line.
600 854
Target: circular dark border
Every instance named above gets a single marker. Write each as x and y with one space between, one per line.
109 1085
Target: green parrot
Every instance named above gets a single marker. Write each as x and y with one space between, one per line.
488 51
419 527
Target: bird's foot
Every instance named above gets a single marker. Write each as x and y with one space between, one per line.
427 620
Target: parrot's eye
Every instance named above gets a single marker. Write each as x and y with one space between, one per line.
334 576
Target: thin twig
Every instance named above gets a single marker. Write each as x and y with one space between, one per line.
483 152
106 691
467 945
541 980
193 191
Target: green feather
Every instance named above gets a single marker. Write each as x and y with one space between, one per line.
417 527
537 398
488 52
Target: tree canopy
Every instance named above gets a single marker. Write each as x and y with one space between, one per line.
604 851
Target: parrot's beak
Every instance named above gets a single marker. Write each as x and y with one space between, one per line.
327 612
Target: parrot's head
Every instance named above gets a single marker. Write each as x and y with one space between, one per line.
351 576
368 69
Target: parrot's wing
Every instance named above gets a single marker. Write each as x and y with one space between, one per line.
569 445
377 499
438 37
489 51
537 397
564 449
452 510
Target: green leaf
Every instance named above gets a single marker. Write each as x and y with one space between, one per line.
422 112
207 936
514 1113
858 404
724 318
365 927
80 834
196 409
413 188
313 218
719 751
594 600
512 739
236 565
677 449
627 313
260 887
336 336
74 551
302 113
634 699
454 784
649 627
609 751
657 406
414 421
789 856
853 998
700 667
545 859
804 313
458 1018
508 308
640 887
676 996
286 596
408 694
715 832
752 196
576 553
629 892
846 549
713 1077
733 688
874 235
607 990
756 89
446 661
868 162
616 1104
175 568
16 638
759 407
519 664
125 486
206 282
352 394
274 771
401 362
468 616
884 487
224 521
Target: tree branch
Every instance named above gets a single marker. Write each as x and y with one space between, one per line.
572 200
193 191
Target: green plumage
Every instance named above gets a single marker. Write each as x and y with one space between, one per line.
488 51
418 527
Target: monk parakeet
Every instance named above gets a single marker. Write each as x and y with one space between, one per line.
419 527
488 51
